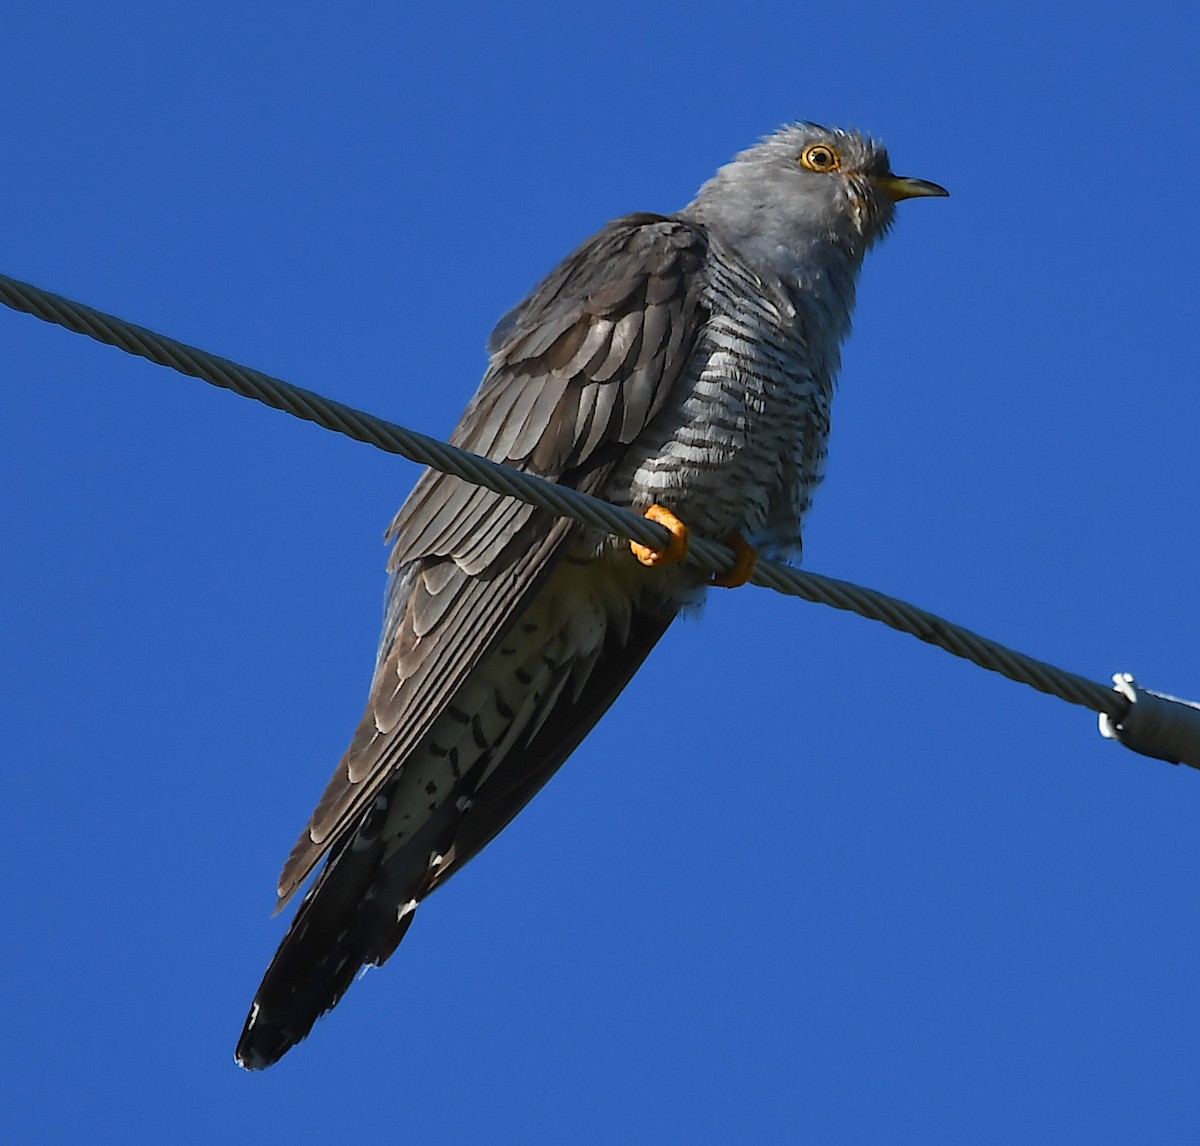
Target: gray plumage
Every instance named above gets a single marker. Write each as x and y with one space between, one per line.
686 360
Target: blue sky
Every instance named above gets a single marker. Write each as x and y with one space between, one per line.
860 891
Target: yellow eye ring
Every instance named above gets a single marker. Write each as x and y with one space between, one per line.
820 157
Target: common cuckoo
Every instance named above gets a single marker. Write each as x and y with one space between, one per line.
681 365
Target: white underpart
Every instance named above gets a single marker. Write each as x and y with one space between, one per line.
503 704
741 445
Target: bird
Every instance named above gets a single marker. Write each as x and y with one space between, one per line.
680 365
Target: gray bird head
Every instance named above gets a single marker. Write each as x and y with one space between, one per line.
806 186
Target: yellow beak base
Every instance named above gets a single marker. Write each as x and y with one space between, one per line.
901 187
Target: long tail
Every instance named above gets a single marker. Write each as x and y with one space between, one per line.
335 932
349 919
362 903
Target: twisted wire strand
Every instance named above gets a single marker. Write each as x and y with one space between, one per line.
536 491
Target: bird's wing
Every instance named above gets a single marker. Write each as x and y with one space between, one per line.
520 775
577 372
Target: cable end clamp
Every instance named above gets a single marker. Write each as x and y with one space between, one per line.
1156 725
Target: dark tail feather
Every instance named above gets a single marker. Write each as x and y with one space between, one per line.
354 915
351 918
340 927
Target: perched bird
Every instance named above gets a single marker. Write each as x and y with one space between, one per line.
681 365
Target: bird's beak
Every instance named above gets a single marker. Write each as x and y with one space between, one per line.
901 187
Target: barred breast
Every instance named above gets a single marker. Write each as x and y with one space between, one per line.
741 445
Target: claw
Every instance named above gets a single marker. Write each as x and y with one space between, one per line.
745 559
678 547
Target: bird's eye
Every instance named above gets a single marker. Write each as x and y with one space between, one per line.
820 157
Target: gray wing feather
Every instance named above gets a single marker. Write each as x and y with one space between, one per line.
604 402
581 366
623 346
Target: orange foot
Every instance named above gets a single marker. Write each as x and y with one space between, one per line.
745 560
675 551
